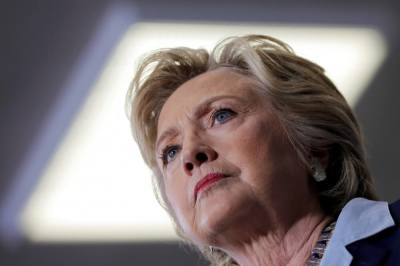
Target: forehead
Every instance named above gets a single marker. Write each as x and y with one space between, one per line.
188 96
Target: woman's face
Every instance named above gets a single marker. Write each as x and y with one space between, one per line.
226 163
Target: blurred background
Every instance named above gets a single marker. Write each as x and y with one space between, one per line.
73 189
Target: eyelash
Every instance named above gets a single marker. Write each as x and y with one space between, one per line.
218 111
164 153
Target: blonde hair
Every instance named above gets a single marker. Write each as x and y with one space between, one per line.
315 116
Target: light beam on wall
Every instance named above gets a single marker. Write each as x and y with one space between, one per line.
96 187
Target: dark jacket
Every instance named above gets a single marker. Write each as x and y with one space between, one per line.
382 248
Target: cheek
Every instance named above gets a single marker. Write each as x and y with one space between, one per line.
251 143
272 164
255 152
258 147
176 189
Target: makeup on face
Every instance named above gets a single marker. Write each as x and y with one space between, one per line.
206 182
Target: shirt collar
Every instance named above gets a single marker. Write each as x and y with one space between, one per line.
360 218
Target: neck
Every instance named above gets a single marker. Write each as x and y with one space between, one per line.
290 246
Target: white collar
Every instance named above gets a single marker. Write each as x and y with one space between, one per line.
360 218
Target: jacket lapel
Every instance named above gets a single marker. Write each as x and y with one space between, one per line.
353 241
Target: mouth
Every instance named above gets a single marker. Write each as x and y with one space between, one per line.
206 182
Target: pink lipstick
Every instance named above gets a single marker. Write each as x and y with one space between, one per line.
206 181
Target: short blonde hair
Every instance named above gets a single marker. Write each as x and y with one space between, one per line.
315 116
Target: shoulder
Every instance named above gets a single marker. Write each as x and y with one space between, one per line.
382 246
367 233
395 211
361 218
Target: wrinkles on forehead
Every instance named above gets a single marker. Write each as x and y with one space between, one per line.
194 98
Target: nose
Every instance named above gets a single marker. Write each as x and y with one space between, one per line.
195 153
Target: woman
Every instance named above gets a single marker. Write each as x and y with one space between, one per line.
258 158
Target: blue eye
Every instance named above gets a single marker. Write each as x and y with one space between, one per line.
169 153
222 115
172 153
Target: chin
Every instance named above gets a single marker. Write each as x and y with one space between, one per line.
219 210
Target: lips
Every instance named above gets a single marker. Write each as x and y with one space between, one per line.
207 181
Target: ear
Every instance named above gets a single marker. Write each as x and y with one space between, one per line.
323 158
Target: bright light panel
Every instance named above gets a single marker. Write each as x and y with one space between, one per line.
96 187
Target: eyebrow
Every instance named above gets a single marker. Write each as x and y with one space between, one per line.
198 112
